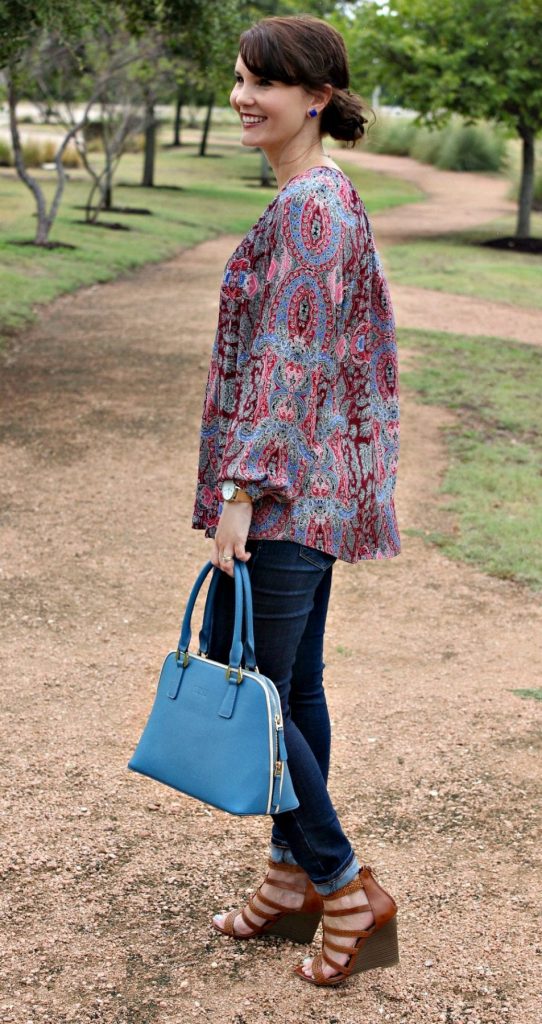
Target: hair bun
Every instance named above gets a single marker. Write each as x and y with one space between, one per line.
343 118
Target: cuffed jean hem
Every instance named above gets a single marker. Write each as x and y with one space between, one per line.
281 854
347 874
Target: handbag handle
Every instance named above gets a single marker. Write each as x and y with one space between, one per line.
249 656
236 651
205 631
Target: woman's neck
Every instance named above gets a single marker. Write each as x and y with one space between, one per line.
286 168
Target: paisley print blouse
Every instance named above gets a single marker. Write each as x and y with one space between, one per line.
301 404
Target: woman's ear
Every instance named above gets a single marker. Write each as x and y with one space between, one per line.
320 99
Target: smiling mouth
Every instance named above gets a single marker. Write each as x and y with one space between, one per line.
248 122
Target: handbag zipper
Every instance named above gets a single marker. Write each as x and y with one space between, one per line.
278 762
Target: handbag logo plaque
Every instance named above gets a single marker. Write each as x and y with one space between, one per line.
216 732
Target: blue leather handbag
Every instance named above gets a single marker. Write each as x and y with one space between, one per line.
215 732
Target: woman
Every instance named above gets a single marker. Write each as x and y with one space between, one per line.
298 459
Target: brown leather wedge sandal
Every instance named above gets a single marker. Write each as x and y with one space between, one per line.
298 925
374 947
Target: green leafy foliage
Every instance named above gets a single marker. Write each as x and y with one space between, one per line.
481 60
21 22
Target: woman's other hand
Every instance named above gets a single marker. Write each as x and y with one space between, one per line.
231 535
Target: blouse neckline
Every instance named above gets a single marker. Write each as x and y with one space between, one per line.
316 167
265 213
310 170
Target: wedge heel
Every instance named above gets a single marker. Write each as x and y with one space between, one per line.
296 927
373 947
380 950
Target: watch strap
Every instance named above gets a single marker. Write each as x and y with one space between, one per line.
241 495
238 495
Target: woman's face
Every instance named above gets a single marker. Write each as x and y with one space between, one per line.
271 112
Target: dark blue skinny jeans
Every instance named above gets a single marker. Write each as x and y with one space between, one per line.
291 585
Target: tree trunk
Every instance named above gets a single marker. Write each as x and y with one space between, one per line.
44 224
526 191
178 115
92 212
108 186
206 126
265 171
150 143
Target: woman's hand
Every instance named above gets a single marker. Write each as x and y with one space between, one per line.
231 535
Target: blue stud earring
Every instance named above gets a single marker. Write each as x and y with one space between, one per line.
313 112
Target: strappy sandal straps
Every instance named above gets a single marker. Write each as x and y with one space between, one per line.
298 923
259 911
284 867
375 946
317 971
279 883
227 925
359 908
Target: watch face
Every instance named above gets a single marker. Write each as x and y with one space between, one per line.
228 490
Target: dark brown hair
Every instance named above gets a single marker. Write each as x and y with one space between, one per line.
303 50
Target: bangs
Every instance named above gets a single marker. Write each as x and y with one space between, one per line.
267 56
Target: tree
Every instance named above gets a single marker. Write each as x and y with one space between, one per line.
480 60
21 22
22 26
201 29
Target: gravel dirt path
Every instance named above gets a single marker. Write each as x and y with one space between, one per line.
109 880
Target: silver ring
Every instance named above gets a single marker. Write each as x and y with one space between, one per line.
226 558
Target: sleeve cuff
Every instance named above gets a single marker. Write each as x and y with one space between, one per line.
254 490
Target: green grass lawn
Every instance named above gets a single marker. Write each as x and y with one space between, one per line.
493 483
197 198
454 263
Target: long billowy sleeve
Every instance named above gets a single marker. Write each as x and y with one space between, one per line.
288 350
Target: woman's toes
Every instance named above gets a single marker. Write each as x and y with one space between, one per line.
307 966
219 919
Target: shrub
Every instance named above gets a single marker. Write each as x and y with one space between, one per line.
135 143
474 147
93 130
393 135
6 159
36 153
456 147
93 133
70 156
32 154
426 145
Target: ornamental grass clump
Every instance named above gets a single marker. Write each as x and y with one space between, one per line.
471 147
393 135
455 147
